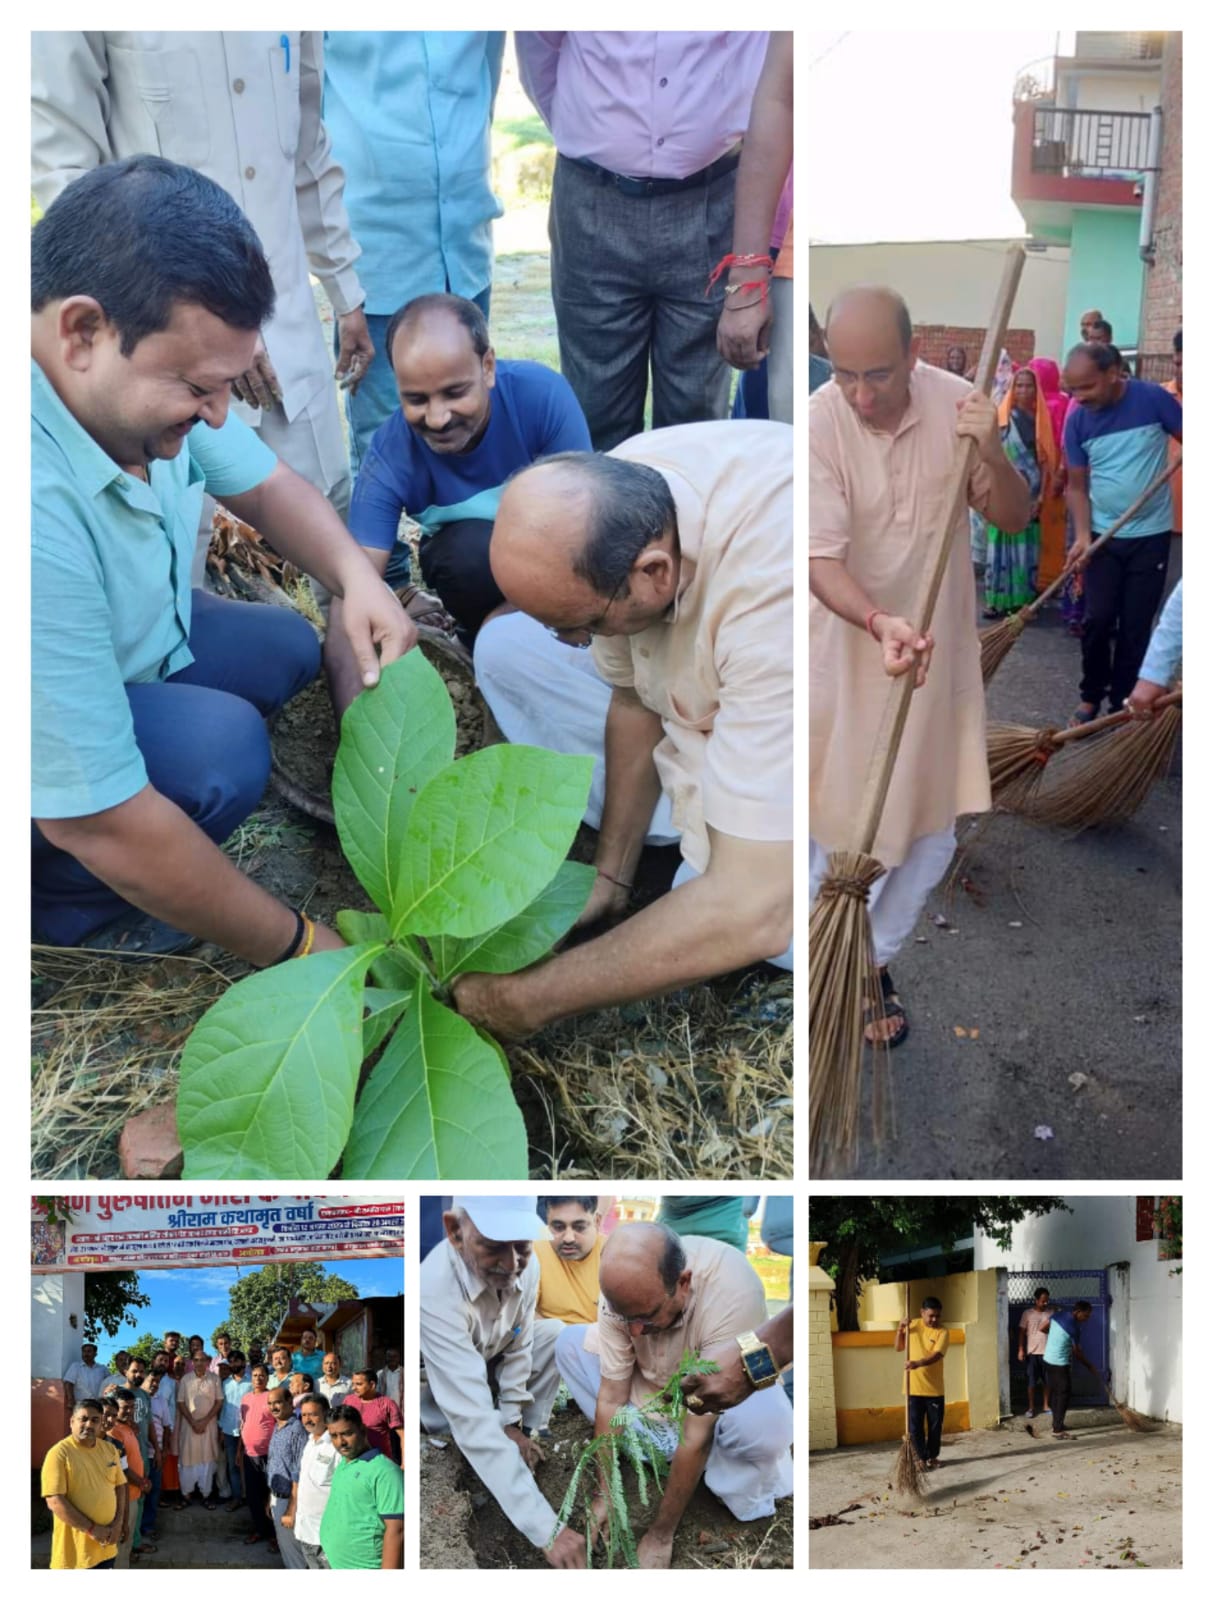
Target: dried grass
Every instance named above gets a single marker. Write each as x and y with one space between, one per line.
107 1036
682 1087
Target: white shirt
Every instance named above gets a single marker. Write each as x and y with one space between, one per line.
464 1324
242 108
316 1467
87 1381
391 1383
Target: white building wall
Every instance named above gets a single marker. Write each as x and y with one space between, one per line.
56 1323
950 282
1146 1321
1112 91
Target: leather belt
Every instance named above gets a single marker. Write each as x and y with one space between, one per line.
643 188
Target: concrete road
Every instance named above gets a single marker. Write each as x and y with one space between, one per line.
1107 1498
1057 955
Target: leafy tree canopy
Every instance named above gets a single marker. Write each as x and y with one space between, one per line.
858 1229
145 1346
259 1300
110 1298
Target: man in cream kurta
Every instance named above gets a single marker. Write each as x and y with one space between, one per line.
490 1369
882 443
672 555
243 108
199 1401
695 1293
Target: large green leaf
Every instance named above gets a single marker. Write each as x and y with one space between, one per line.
383 1010
437 1105
269 1073
394 738
484 835
526 937
397 967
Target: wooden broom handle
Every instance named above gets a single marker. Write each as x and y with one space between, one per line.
897 707
1152 489
907 1358
1112 720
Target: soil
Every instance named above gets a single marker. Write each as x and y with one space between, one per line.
1109 1498
462 1525
305 734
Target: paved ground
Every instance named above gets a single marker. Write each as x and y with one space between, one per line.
194 1538
1111 1498
1063 953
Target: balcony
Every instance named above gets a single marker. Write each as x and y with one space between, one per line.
1063 159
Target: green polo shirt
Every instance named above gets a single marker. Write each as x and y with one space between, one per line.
110 592
365 1494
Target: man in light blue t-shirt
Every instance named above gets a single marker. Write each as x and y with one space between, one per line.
1061 1347
1117 439
149 288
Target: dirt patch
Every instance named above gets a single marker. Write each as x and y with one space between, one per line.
1110 1498
305 734
466 1520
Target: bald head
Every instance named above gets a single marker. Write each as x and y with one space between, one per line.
587 544
872 345
644 1276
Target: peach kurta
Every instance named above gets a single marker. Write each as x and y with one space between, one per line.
718 668
196 1396
874 501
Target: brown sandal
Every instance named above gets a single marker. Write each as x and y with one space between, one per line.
425 609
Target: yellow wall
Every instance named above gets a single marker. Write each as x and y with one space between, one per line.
881 1303
823 1420
869 1371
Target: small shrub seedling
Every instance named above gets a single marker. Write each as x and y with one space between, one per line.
466 863
628 1439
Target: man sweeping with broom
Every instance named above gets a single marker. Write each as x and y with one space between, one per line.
928 1344
882 444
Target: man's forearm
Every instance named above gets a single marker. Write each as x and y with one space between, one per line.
393 1544
1010 501
693 933
766 153
776 1334
62 1507
833 585
148 851
686 1469
294 517
633 732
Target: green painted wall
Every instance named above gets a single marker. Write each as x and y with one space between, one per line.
1106 272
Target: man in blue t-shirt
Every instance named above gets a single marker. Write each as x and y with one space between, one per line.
1063 1346
466 422
1116 444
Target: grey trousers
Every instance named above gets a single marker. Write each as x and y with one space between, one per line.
628 281
779 353
314 1556
289 1547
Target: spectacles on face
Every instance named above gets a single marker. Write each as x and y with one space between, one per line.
581 637
646 1320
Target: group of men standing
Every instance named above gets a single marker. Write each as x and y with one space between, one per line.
511 1306
313 1455
177 355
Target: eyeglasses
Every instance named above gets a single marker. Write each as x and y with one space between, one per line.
646 1320
589 629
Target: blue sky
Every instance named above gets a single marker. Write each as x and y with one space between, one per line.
195 1300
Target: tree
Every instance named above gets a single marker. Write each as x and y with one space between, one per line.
858 1230
145 1347
109 1299
260 1300
224 1327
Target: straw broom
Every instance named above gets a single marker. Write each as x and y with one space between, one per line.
1109 782
908 1471
842 965
1018 755
997 641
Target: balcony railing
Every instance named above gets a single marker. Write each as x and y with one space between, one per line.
1090 144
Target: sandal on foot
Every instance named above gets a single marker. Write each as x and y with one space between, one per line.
894 1012
425 609
1085 713
135 934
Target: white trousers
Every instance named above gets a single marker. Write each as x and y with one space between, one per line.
897 899
312 445
200 1477
546 693
543 1384
750 1464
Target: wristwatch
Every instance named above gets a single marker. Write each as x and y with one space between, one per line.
759 1363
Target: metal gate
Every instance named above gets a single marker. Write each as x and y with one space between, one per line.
1065 1285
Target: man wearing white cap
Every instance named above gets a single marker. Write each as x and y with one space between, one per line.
490 1363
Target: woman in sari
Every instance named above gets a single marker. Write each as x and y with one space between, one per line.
1027 437
1053 495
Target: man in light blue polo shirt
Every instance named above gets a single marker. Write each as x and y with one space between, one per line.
409 116
149 741
1117 440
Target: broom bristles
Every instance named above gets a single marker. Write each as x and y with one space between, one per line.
998 641
1107 780
908 1471
1017 757
842 976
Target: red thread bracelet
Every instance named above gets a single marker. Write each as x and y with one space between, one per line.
871 614
728 261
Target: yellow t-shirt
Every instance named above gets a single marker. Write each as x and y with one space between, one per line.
90 1480
924 1342
568 1290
